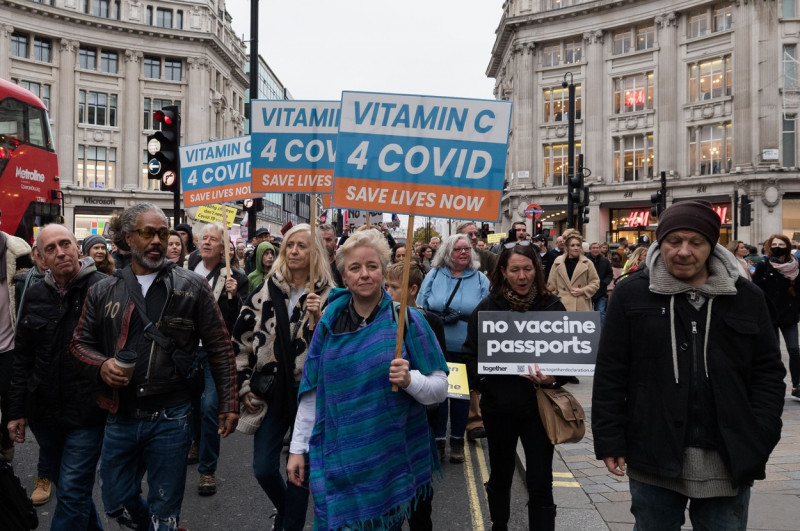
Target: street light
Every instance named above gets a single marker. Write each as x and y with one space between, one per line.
570 146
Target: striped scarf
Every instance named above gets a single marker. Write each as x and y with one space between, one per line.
370 450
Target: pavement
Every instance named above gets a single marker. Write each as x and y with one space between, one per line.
590 498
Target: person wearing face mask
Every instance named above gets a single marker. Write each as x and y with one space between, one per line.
777 276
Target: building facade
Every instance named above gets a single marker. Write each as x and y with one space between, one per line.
103 67
706 91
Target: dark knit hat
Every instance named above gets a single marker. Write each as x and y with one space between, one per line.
90 241
694 215
184 227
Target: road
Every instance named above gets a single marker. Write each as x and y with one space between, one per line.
240 504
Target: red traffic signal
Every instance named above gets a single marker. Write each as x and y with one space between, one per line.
164 117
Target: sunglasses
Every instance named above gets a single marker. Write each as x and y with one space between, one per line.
521 243
148 232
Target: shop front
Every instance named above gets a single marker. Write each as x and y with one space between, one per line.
631 222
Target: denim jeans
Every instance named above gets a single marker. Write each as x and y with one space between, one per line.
660 509
158 447
290 501
790 337
458 410
73 456
600 306
209 421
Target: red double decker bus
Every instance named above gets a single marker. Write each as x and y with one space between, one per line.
29 180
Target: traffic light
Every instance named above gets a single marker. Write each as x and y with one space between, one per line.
163 146
538 228
583 211
252 207
659 199
746 211
485 230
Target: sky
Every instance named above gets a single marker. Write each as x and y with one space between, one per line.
318 48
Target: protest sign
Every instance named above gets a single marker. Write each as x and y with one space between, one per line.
421 155
213 213
563 343
294 145
457 386
215 172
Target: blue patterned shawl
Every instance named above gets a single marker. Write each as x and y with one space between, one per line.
370 449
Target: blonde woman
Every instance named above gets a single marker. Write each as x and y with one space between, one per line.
573 276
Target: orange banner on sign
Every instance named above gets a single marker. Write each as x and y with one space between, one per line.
292 180
217 194
420 200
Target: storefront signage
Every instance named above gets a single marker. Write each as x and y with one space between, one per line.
634 98
639 218
99 200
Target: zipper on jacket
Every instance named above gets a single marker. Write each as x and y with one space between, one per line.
695 386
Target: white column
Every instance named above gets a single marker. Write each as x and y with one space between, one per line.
594 144
130 175
666 90
65 128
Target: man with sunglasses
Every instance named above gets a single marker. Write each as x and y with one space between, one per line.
156 313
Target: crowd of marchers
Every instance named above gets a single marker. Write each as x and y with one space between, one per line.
135 355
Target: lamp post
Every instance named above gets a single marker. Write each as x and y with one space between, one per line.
570 146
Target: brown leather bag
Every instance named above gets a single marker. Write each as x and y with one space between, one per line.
562 415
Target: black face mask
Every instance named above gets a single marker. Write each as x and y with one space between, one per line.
780 251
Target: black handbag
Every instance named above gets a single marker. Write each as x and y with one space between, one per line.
263 380
448 315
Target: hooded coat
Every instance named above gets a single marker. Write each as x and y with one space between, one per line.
257 276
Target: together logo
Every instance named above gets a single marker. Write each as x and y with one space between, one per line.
494 368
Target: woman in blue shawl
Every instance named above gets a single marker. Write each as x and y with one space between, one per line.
370 448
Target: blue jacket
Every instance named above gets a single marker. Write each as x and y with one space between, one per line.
436 289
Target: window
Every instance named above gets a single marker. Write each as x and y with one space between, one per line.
19 45
711 149
152 105
25 123
163 18
711 79
790 80
557 4
722 17
634 39
42 50
789 10
178 19
556 104
551 55
149 16
698 25
789 140
87 58
96 166
556 163
100 8
97 108
109 62
634 158
633 93
172 69
708 21
573 52
39 89
152 67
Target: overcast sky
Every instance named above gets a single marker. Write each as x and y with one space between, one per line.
318 48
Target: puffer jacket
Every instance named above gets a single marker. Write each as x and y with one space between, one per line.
189 315
46 384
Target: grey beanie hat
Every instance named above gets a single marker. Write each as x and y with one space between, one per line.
92 240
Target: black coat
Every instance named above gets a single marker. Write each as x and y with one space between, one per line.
784 307
47 385
604 272
503 395
641 413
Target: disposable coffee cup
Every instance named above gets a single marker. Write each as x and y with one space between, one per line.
125 360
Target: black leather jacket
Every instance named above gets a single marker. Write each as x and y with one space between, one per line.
189 315
46 385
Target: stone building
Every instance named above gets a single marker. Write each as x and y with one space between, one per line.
706 91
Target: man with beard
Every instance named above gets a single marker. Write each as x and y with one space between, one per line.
152 316
328 236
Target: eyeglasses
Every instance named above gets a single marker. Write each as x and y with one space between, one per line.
461 249
521 243
148 232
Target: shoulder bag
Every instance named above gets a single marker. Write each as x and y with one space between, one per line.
448 315
562 415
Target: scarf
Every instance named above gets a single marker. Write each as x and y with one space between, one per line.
788 269
370 450
517 302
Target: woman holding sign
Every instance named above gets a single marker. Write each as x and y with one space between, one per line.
508 402
371 456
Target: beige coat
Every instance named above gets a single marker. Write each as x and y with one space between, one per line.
584 277
15 248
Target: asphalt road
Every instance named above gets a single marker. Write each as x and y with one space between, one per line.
240 504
